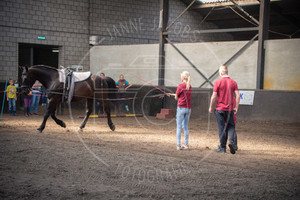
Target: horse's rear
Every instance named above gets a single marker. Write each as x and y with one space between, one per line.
99 90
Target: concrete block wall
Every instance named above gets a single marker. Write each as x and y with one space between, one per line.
69 24
283 107
141 61
118 22
63 23
282 65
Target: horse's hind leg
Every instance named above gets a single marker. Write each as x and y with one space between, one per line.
58 121
89 111
107 111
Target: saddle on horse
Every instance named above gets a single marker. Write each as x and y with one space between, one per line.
68 77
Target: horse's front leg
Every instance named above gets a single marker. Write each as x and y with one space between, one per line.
88 112
42 127
107 111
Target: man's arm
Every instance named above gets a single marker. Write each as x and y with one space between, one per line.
237 101
212 101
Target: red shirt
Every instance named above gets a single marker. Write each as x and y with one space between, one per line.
225 88
184 96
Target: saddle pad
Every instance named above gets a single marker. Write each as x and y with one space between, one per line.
78 76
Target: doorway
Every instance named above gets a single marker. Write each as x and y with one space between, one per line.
37 54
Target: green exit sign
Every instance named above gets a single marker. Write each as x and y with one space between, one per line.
41 37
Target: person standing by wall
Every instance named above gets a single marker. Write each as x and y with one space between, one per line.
11 93
122 86
183 95
36 94
99 106
44 97
27 102
223 91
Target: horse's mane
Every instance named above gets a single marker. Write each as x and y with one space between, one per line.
43 66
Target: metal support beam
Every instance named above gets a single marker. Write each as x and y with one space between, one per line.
264 14
189 61
228 62
163 21
226 30
241 9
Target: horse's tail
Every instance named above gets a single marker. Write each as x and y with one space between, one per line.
112 87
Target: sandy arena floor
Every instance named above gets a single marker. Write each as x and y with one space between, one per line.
140 161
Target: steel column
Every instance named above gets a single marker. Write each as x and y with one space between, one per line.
163 22
264 13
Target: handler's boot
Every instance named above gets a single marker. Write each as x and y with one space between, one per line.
10 112
15 113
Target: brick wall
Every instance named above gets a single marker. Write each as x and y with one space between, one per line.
69 24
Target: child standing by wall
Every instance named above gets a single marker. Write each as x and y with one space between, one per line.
11 91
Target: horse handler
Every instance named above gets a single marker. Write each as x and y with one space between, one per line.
183 95
223 92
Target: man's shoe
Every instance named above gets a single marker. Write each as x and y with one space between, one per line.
232 148
221 150
178 147
185 146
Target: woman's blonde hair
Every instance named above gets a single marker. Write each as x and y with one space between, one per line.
186 76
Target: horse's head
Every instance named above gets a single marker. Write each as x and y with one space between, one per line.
27 80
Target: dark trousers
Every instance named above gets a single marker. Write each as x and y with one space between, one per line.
99 108
228 129
122 101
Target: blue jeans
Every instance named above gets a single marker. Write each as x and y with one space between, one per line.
182 118
35 102
222 117
12 104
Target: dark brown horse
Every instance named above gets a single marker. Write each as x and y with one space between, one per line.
90 89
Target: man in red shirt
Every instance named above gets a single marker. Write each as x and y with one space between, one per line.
223 92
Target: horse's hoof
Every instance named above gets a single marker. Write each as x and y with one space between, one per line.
63 125
39 130
80 129
112 127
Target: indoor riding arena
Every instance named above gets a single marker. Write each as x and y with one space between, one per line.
121 67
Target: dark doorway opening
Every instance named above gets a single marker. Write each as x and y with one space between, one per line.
37 54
